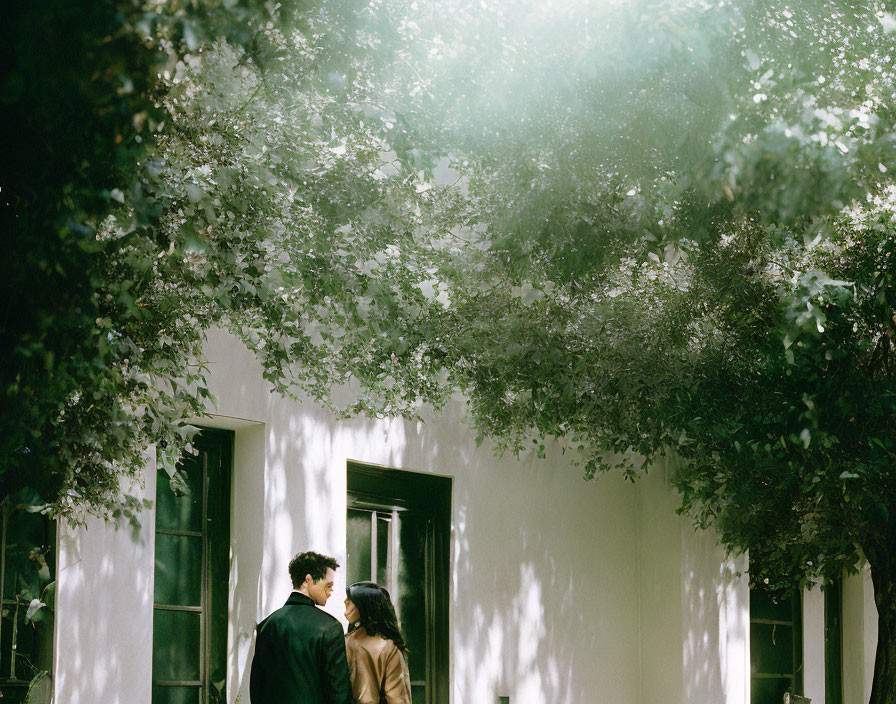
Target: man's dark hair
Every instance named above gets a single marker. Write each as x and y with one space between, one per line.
312 563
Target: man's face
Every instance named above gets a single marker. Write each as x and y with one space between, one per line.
320 590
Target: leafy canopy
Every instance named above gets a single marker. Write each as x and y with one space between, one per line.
637 228
669 235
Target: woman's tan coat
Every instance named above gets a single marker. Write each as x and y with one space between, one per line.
377 669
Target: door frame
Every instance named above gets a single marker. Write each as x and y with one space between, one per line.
377 487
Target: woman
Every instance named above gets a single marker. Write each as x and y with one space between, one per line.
375 648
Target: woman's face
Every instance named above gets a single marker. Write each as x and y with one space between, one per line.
352 615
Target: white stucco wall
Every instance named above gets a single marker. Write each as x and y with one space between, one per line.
694 609
813 645
104 588
859 637
561 591
543 594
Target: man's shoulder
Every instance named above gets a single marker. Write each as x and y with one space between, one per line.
323 619
306 614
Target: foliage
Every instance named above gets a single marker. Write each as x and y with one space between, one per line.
677 261
90 376
673 234
692 255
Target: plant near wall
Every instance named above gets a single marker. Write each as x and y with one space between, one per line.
627 289
91 375
672 235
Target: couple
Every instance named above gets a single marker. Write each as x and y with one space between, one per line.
301 656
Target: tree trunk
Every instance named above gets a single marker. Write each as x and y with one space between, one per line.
882 559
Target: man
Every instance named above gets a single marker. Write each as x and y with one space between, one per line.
299 649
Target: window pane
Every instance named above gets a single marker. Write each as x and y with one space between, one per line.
29 560
178 570
175 653
218 535
358 546
25 642
762 606
13 694
196 499
382 550
771 649
769 690
33 642
175 695
412 591
179 498
418 694
26 647
9 616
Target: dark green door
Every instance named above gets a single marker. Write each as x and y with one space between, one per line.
776 646
833 638
27 579
397 536
192 566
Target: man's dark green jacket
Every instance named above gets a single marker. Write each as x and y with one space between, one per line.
299 657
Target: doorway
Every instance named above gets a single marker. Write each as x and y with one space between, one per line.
192 566
776 646
398 528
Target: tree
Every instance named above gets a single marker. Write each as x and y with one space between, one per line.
89 376
671 235
75 107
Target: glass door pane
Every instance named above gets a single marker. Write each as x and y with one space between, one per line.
178 578
412 598
398 531
28 572
358 543
775 646
175 653
833 653
403 574
383 557
192 566
175 695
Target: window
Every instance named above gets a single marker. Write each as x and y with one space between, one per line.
192 567
28 580
397 535
833 639
776 646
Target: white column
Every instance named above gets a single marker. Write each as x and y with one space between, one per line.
859 637
104 597
813 645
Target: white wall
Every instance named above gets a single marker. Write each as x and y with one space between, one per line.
544 569
562 591
104 589
813 645
859 637
694 609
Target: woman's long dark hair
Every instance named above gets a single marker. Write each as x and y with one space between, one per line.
376 610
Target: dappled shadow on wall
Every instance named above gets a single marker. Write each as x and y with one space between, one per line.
543 593
543 588
715 609
105 576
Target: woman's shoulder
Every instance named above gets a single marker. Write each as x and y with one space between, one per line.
388 644
357 640
362 638
388 650
378 646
